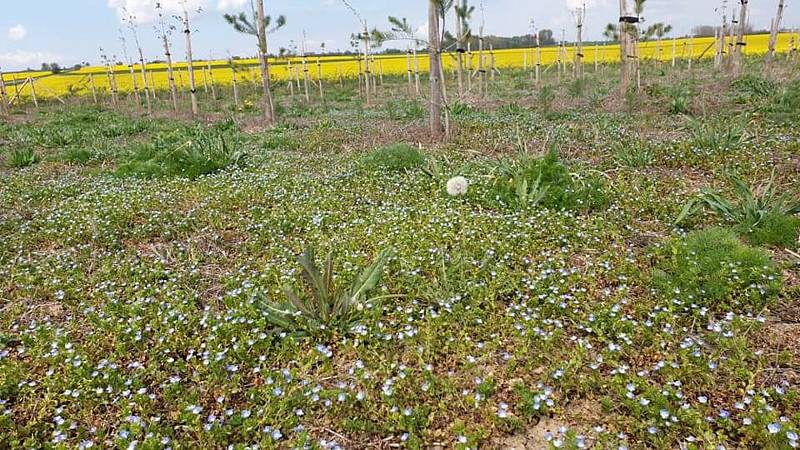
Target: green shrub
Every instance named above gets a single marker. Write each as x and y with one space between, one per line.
394 157
578 87
322 308
545 98
761 214
635 153
749 88
22 157
774 229
716 135
186 153
786 107
713 269
405 109
679 99
545 181
76 155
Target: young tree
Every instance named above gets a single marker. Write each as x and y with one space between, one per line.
187 30
407 32
259 26
626 26
129 62
659 30
364 36
163 32
131 21
463 33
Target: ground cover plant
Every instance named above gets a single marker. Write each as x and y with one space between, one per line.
522 284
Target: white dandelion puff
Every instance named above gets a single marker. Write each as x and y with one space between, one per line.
457 186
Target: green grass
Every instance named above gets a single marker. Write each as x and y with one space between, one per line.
22 157
396 157
185 153
712 269
139 292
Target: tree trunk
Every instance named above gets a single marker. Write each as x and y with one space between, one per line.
460 53
94 89
235 88
773 35
435 70
135 87
192 87
624 48
367 75
171 75
269 110
739 50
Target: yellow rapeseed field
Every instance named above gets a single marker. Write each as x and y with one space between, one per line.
80 82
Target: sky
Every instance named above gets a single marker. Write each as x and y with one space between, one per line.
72 31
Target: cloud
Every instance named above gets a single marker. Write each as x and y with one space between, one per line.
17 32
144 11
21 59
226 5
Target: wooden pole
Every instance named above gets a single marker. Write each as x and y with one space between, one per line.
773 35
3 95
33 92
235 88
211 80
93 87
319 79
435 70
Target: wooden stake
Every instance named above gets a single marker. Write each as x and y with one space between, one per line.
3 95
235 89
319 79
33 92
94 88
773 36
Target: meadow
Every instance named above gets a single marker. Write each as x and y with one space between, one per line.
571 269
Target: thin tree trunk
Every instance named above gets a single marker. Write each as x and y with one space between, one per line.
409 72
93 87
366 63
305 78
192 87
319 78
674 48
460 53
624 44
269 110
112 85
170 74
773 35
235 88
416 72
435 70
135 88
211 81
481 69
739 50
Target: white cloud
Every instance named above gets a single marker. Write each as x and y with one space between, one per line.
145 10
21 59
17 32
226 5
